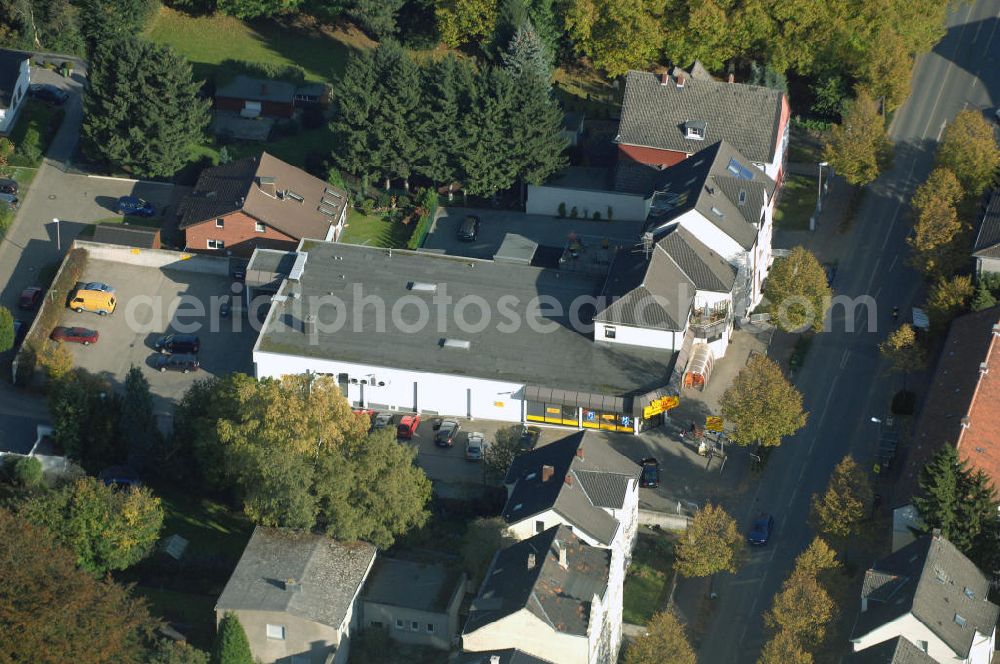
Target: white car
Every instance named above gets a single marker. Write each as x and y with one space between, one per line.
476 446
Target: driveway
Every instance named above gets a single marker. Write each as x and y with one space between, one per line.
495 224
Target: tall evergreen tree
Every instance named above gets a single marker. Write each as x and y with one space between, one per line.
356 98
101 20
488 162
396 120
137 426
142 111
441 137
526 54
231 644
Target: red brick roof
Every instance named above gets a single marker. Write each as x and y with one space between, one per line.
960 391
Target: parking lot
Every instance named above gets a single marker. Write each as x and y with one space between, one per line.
149 305
495 224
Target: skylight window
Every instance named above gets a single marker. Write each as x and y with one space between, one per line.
739 170
719 213
970 593
743 196
960 620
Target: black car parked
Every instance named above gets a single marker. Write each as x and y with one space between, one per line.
178 343
650 476
468 230
8 186
48 93
182 363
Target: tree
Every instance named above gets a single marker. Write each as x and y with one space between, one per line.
841 509
829 93
663 643
55 359
526 56
762 405
488 164
142 111
6 150
803 609
376 17
948 298
817 559
355 98
28 472
6 330
983 299
798 291
937 225
85 413
969 149
858 147
231 644
103 20
246 9
959 502
506 446
106 528
442 138
617 35
395 121
137 426
784 648
52 611
484 536
168 651
711 543
903 351
465 21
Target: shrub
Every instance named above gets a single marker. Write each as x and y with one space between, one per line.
404 201
55 359
384 199
28 472
597 216
231 68
6 219
368 206
334 177
573 214
31 145
429 205
562 210
6 330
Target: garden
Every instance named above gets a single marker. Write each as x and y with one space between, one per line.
649 577
796 203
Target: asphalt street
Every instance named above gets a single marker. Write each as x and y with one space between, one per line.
843 381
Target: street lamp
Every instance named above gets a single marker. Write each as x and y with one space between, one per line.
55 220
819 186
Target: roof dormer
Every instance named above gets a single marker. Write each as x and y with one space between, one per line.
695 129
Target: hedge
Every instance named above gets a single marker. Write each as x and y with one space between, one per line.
430 205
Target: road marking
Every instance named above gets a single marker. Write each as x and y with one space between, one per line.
892 222
843 360
868 288
877 291
944 123
893 264
947 71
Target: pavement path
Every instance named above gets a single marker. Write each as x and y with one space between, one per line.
843 381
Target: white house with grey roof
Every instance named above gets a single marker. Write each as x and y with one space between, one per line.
501 656
986 250
548 597
930 594
296 595
15 78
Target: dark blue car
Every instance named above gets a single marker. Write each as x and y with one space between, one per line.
760 531
135 206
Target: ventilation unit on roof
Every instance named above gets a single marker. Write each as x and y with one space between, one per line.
298 267
292 195
460 344
422 287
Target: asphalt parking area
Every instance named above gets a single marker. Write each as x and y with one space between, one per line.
152 302
495 224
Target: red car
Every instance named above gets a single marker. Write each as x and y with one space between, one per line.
30 297
76 335
408 426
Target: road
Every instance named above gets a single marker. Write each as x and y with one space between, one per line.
842 382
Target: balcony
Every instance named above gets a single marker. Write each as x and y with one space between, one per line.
710 322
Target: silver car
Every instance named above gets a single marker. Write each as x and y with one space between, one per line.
476 446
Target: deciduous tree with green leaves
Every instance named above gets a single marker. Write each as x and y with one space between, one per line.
506 445
54 611
712 543
841 509
937 226
664 642
85 413
108 529
6 330
947 299
168 651
858 148
797 291
969 149
483 537
904 351
617 35
137 425
231 644
784 648
247 9
463 22
762 405
142 110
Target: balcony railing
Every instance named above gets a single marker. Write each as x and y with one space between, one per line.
708 323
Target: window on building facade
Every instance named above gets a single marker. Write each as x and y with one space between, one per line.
220 223
216 244
430 628
259 227
276 632
609 331
415 626
400 624
539 526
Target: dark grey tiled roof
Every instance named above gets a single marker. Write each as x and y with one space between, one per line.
531 355
653 115
507 656
329 573
708 270
239 185
560 597
257 89
598 477
130 236
932 580
646 292
10 70
412 585
894 651
988 239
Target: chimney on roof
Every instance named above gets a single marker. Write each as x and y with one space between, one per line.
732 78
996 329
936 533
560 553
664 77
547 473
579 453
531 561
680 80
291 585
984 368
568 479
966 422
494 659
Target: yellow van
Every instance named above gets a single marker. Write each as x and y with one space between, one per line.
95 301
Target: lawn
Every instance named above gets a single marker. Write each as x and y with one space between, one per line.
648 580
194 614
375 230
796 203
208 40
42 117
209 526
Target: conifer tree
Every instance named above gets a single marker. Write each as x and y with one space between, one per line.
441 139
356 98
396 120
231 644
487 163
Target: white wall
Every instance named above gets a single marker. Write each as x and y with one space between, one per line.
159 258
913 630
625 207
18 95
982 648
528 633
638 336
444 394
525 528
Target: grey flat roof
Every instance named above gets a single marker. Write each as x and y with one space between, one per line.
411 585
559 357
516 248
